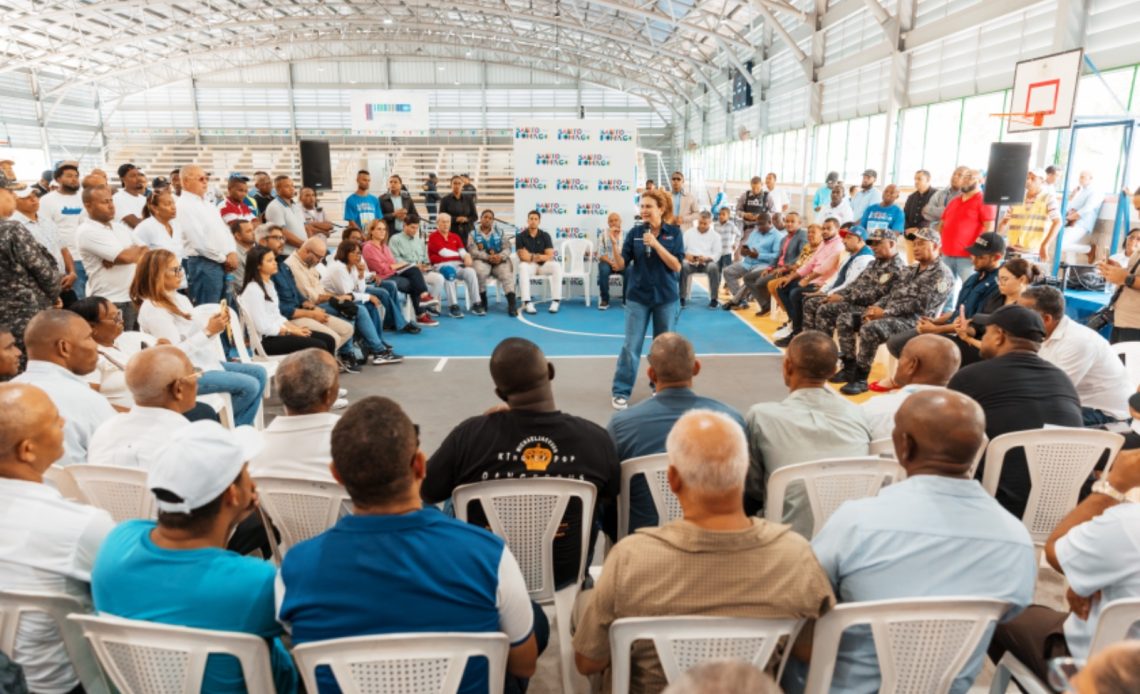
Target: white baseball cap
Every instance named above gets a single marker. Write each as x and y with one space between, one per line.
200 461
1038 172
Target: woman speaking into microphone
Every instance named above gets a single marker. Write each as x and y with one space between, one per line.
652 251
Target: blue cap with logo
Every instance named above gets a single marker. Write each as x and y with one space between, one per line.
854 231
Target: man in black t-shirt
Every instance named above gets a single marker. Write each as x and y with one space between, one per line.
461 207
530 438
1018 391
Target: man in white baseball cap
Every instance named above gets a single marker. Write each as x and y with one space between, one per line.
1031 226
177 571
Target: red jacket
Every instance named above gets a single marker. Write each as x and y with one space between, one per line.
437 243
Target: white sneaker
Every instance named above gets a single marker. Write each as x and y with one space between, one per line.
554 306
619 402
529 308
342 393
783 332
340 404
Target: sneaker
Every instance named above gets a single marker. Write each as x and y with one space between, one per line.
783 332
340 404
342 393
603 305
713 304
433 309
619 402
554 305
479 310
386 357
455 312
427 298
857 386
728 305
411 329
427 321
512 311
529 308
347 367
783 342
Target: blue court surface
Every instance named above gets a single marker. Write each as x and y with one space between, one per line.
577 331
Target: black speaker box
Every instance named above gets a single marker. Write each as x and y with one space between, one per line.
316 166
1005 176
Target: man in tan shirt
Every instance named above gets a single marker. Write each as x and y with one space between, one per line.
303 265
715 561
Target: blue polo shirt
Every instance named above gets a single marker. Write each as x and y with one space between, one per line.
766 244
409 573
361 209
878 216
651 282
642 430
976 290
209 588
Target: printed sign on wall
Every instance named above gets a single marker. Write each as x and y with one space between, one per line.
390 113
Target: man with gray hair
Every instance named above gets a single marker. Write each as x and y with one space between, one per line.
297 444
642 429
210 248
716 561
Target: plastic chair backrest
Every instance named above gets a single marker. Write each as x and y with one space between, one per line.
430 663
527 514
300 508
64 483
1060 461
1115 623
120 491
921 644
250 329
1129 353
133 341
886 447
683 642
828 483
653 468
145 657
14 605
576 255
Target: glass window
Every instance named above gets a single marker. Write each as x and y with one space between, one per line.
941 150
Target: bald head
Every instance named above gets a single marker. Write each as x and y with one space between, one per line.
811 357
938 432
50 334
31 431
150 373
672 360
709 453
517 366
928 360
316 245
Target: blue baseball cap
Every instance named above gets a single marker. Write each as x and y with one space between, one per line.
237 176
448 272
855 231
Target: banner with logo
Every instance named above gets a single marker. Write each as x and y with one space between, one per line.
392 113
575 172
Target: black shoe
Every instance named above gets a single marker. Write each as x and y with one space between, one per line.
683 302
845 374
483 300
412 329
512 305
728 305
455 312
856 386
713 303
783 342
479 310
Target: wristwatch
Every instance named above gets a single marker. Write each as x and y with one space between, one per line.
1103 486
1129 280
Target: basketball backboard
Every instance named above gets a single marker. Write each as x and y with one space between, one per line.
1044 92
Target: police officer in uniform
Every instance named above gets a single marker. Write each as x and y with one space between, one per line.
752 204
845 308
490 250
29 276
921 290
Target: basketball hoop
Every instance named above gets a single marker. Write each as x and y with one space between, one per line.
1034 118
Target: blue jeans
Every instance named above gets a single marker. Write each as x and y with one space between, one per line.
244 382
604 272
80 286
961 268
389 296
637 317
205 280
368 326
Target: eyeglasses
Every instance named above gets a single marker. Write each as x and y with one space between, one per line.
175 271
117 318
192 376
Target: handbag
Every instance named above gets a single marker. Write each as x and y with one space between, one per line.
1082 277
347 309
1106 315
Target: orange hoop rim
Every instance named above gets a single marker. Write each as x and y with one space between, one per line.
1035 118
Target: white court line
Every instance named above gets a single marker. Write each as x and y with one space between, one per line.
439 367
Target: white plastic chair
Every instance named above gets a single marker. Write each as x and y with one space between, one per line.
1060 461
653 468
132 341
683 642
527 514
429 663
545 280
64 483
828 483
14 605
251 331
299 508
1113 626
1129 353
120 491
577 255
145 658
921 644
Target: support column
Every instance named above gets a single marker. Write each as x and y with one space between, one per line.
194 112
41 123
292 106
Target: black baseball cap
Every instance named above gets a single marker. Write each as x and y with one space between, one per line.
1016 320
988 243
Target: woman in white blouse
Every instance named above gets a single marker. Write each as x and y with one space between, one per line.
109 376
159 228
346 276
167 315
259 301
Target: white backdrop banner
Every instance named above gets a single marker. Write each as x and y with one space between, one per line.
390 113
575 172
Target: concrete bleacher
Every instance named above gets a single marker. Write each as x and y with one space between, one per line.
491 167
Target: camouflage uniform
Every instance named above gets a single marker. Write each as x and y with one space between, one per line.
870 286
480 246
29 278
918 292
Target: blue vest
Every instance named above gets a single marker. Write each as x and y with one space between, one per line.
842 276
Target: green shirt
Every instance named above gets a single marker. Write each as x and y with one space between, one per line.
408 250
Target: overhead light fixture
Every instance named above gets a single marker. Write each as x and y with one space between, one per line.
387 20
442 68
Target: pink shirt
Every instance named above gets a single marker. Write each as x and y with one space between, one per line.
379 260
825 260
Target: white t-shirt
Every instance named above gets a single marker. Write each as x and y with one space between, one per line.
778 200
133 439
1089 362
881 409
98 242
127 204
290 216
47 544
65 213
297 446
1102 554
706 244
